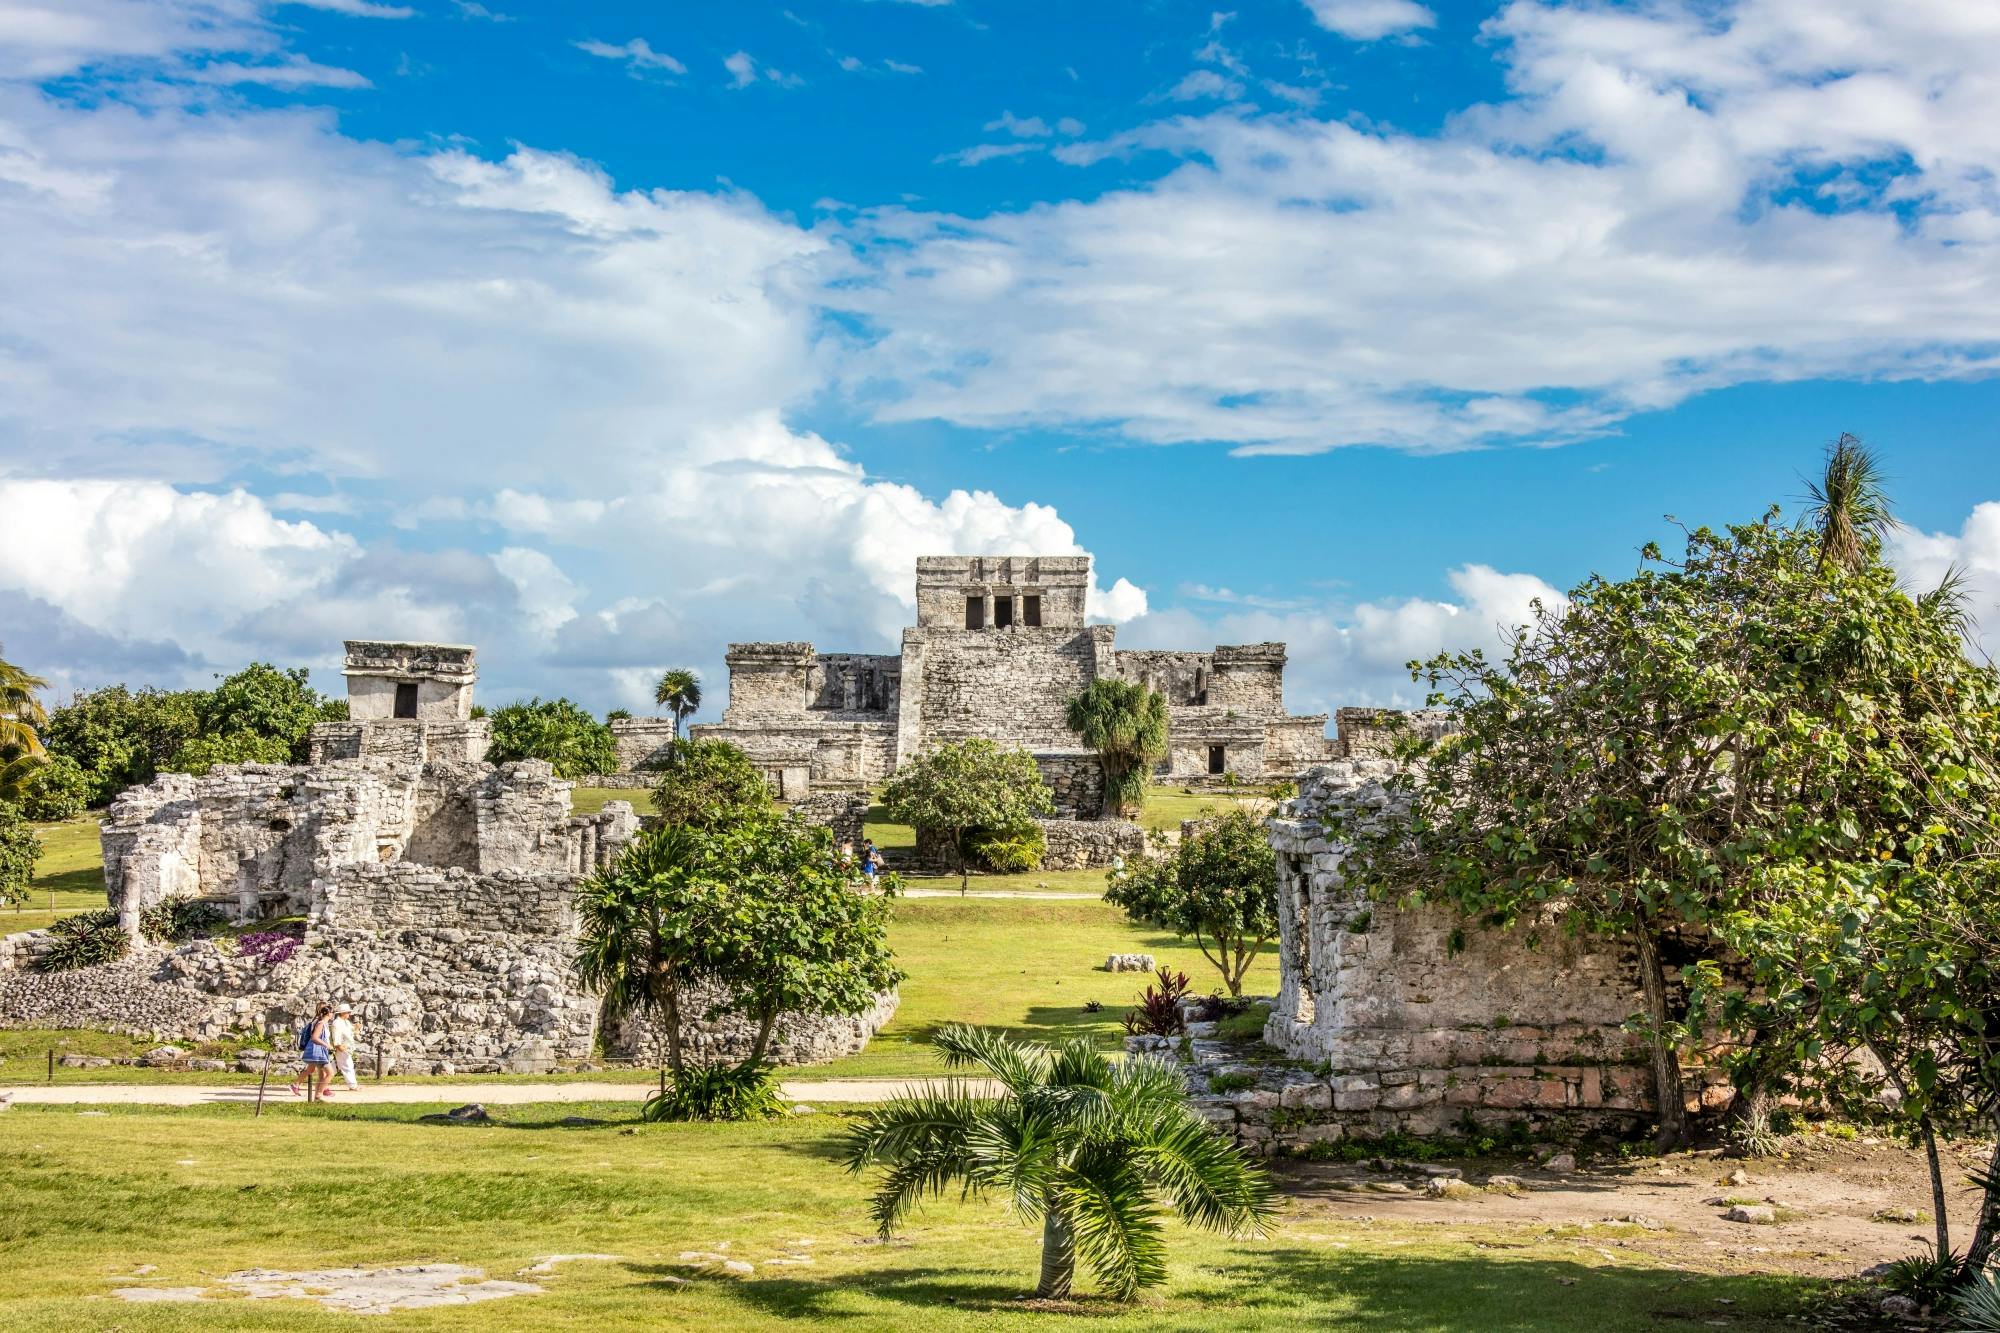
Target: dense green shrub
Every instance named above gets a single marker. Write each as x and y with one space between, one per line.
172 920
262 700
203 753
20 848
85 940
717 1092
1013 851
57 789
956 788
561 733
119 737
708 784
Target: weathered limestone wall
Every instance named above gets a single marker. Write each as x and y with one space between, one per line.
1370 732
455 968
1090 844
251 836
643 743
1010 686
1249 678
797 1039
1425 1019
842 811
946 582
400 740
1181 678
1075 779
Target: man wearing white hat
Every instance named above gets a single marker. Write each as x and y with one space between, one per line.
340 1036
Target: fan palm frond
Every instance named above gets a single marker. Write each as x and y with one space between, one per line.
1949 604
1018 1067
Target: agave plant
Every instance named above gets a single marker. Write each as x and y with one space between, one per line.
1977 1308
1100 1153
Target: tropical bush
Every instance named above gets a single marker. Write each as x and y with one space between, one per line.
1008 851
54 790
121 738
1977 1308
20 848
199 755
172 920
84 940
717 1092
570 740
708 784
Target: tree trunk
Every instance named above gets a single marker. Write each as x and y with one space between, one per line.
1058 1255
1937 1186
671 1007
1673 1130
1986 1236
958 846
765 1024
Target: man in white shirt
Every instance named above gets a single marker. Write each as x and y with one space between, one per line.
340 1037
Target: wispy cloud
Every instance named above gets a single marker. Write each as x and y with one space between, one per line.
638 55
986 152
293 72
361 9
745 70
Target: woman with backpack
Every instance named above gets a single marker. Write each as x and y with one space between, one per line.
314 1051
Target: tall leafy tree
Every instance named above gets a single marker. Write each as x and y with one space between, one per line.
1218 885
756 907
1126 723
276 705
121 737
1099 1152
20 848
679 692
557 731
1625 769
958 787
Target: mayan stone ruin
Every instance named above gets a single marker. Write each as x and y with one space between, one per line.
437 891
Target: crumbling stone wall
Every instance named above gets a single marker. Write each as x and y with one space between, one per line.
797 1039
1365 733
844 811
1090 844
450 967
1008 685
1425 1019
1075 779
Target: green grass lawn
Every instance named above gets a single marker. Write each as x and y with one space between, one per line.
85 1200
69 877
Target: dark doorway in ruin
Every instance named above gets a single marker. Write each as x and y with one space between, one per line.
1003 612
406 699
975 613
1031 612
1217 760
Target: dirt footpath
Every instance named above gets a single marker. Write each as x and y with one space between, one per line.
1834 1203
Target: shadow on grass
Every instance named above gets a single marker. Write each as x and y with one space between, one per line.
1284 1287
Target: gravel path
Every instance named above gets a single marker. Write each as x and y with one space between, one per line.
833 1090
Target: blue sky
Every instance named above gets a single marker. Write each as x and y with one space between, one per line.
604 334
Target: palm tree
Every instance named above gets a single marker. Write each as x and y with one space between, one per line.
22 720
630 949
679 692
1850 508
1126 723
1099 1152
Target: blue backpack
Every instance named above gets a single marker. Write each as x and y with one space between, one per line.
306 1035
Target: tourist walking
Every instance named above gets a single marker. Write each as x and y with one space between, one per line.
871 862
313 1051
340 1039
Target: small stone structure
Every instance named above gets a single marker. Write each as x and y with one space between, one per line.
438 891
1418 1020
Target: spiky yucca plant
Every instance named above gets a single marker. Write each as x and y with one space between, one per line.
1099 1152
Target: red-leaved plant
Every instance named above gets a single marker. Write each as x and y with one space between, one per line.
1159 1011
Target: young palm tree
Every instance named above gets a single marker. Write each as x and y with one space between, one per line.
629 949
1097 1151
1849 505
679 692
